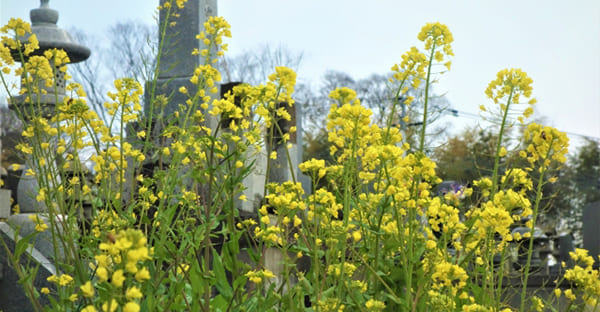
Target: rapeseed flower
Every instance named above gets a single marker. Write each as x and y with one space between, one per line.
87 289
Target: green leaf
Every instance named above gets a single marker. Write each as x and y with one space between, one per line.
221 284
21 246
219 303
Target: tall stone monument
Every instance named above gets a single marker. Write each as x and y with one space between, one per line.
177 63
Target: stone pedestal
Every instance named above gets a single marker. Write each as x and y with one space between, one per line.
591 231
4 204
12 294
44 240
27 191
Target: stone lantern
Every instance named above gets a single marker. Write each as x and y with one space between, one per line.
50 36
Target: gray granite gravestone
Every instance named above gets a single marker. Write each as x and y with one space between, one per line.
12 294
591 230
177 62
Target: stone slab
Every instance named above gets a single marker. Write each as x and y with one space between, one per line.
4 203
43 241
12 294
591 231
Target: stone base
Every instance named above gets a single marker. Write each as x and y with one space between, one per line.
43 241
12 294
4 204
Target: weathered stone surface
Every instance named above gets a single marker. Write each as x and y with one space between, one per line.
12 294
27 190
49 35
177 62
43 241
4 203
591 231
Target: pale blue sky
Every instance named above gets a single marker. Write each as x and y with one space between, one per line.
556 42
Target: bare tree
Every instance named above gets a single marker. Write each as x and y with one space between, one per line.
255 66
129 50
377 93
133 47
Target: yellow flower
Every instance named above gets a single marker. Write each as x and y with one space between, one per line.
118 278
448 274
527 112
537 304
142 275
569 294
256 277
265 219
546 144
312 165
40 225
356 236
45 290
557 292
297 221
509 82
65 280
430 244
133 293
89 308
87 289
375 305
102 274
502 151
131 307
110 306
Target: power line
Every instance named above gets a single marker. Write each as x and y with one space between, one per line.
458 113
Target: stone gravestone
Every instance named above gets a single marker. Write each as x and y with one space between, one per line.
591 230
177 62
12 294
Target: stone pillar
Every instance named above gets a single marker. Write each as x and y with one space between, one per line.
177 63
4 193
282 170
591 231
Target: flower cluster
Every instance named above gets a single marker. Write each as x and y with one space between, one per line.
437 35
215 28
413 65
545 145
12 35
119 273
584 278
285 79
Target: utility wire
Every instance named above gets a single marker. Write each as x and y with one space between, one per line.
463 114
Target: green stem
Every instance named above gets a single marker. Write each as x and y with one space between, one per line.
426 104
499 145
538 199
